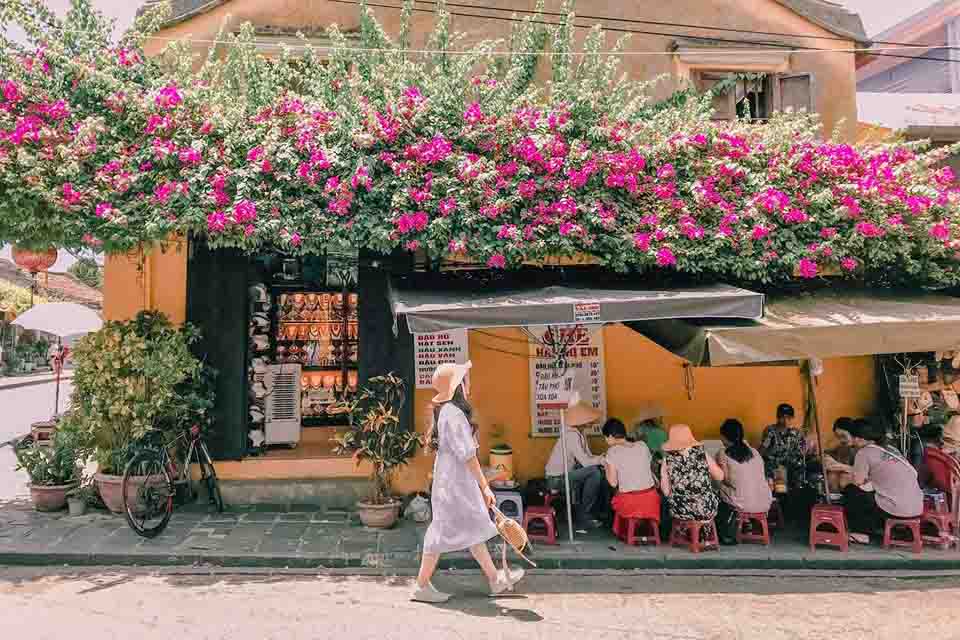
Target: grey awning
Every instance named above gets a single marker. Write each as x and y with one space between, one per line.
826 324
429 311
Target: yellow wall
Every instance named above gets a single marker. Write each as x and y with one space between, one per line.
156 281
638 372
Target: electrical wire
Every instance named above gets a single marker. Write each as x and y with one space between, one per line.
775 47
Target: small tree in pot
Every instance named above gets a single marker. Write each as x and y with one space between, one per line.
133 379
53 470
377 436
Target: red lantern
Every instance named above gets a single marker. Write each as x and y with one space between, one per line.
34 261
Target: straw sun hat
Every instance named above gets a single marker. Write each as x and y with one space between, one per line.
579 413
446 378
681 437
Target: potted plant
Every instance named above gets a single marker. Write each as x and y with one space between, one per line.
54 470
376 436
135 379
81 496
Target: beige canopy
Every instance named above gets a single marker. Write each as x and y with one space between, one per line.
824 324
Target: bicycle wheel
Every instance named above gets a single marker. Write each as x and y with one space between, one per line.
210 475
147 494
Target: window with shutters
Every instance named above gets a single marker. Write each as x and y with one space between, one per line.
755 97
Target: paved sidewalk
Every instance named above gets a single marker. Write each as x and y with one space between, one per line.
334 540
15 382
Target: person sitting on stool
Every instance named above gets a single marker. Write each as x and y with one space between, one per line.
588 484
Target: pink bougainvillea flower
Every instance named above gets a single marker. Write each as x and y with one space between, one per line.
10 90
940 231
473 114
570 228
104 210
665 257
244 212
497 261
457 247
759 232
527 189
849 264
361 178
412 245
169 97
795 216
255 154
216 222
666 172
774 200
295 239
189 156
410 222
828 232
641 241
71 197
507 232
447 206
852 206
808 268
869 230
127 58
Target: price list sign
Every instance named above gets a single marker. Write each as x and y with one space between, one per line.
584 357
434 349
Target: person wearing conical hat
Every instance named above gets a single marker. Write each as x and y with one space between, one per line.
587 480
460 498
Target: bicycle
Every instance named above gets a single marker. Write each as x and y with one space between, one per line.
149 482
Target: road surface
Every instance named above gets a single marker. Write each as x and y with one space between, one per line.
18 409
107 604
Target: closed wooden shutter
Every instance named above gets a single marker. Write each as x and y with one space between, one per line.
217 305
794 92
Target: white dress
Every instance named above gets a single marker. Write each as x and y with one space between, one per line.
460 516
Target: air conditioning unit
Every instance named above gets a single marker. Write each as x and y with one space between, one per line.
282 423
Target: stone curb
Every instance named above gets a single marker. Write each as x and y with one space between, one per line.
7 384
408 561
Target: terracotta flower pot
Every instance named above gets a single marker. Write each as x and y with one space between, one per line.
378 516
50 498
111 490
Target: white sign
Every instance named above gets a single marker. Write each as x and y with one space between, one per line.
584 359
553 391
433 349
586 312
910 386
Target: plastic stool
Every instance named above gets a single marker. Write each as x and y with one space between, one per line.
686 533
941 524
544 516
913 524
510 503
625 528
831 515
745 525
935 502
775 516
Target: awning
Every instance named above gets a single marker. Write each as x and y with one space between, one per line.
825 324
431 310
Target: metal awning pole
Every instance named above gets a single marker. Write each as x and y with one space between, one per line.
566 471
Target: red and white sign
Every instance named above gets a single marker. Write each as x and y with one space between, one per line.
586 312
584 359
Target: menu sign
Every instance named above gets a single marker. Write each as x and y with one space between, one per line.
434 349
584 360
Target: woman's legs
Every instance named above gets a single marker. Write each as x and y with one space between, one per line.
482 555
428 564
863 515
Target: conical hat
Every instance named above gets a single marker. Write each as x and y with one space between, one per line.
579 413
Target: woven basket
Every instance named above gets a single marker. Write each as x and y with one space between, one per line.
513 534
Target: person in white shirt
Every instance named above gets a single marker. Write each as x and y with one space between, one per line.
587 481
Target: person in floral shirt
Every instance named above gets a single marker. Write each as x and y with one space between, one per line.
786 446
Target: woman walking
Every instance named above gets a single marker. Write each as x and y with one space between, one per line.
461 497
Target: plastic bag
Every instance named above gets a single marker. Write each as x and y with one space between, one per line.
419 509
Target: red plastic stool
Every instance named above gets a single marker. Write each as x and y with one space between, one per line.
625 528
545 517
936 529
745 531
775 518
829 515
913 524
686 533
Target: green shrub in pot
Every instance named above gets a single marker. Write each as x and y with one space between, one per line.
53 470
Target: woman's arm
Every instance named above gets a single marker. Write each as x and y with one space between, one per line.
722 463
473 465
611 472
664 479
715 471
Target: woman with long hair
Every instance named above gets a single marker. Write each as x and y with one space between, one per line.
461 497
744 487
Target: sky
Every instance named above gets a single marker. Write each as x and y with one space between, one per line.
879 15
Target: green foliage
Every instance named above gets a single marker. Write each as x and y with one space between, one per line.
55 465
88 271
134 379
376 435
